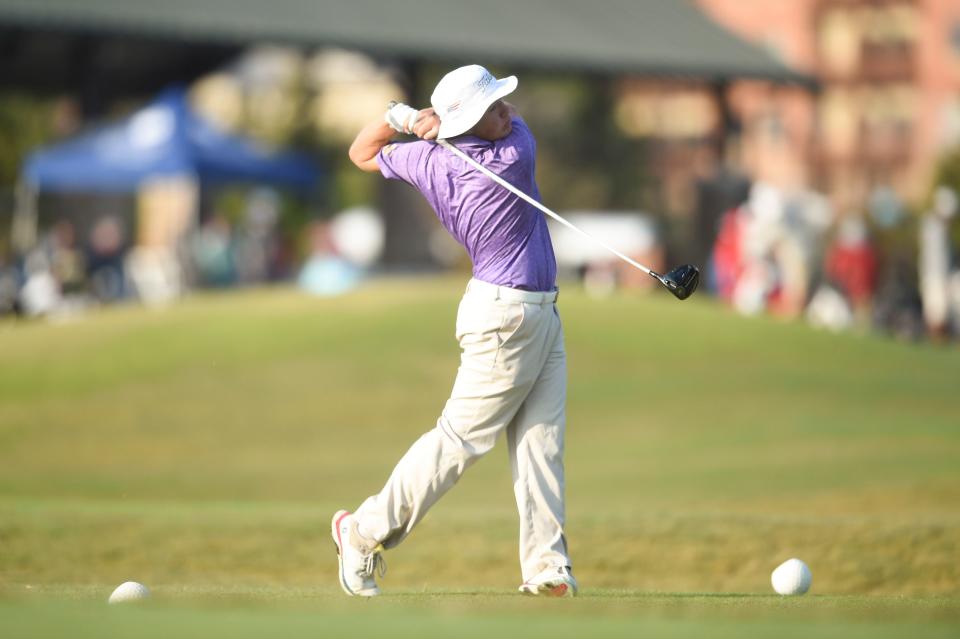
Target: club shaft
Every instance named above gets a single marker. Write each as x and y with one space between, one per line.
499 180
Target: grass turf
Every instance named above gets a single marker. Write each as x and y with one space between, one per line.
201 449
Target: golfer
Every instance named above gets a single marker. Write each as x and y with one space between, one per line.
512 375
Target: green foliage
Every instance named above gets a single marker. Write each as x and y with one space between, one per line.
351 186
947 174
583 161
25 123
295 213
231 202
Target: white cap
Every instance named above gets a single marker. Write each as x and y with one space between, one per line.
464 95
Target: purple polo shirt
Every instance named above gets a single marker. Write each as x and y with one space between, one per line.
506 238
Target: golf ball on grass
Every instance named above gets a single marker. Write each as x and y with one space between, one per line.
792 577
129 591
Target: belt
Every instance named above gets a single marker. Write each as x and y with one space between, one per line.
494 292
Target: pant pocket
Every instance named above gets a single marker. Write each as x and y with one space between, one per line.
511 324
478 326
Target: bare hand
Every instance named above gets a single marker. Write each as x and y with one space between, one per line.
427 125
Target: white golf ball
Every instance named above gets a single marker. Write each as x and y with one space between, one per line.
792 577
129 591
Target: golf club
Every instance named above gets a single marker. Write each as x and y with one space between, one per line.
682 281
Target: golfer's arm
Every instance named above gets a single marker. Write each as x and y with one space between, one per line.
366 146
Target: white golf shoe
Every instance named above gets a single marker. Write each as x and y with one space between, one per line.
553 582
359 558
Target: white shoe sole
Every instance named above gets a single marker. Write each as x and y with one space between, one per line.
335 533
555 589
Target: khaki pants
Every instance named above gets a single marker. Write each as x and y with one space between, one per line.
512 378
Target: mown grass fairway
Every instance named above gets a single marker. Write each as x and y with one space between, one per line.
201 450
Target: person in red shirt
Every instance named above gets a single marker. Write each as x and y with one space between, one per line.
851 264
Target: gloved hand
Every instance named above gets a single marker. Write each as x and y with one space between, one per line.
401 117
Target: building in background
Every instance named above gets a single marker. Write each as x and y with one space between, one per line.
104 53
889 103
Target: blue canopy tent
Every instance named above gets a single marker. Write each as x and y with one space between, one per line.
165 138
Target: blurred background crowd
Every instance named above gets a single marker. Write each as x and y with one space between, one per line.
805 153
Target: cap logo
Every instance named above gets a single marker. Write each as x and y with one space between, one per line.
453 107
484 81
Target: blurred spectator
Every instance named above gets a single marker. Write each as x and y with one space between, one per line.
792 269
885 207
851 265
727 259
8 289
155 274
765 250
935 263
67 262
213 252
40 294
257 243
763 244
326 272
105 259
798 249
744 269
359 235
829 308
896 307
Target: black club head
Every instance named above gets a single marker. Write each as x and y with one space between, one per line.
681 281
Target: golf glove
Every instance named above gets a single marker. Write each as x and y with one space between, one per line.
401 117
